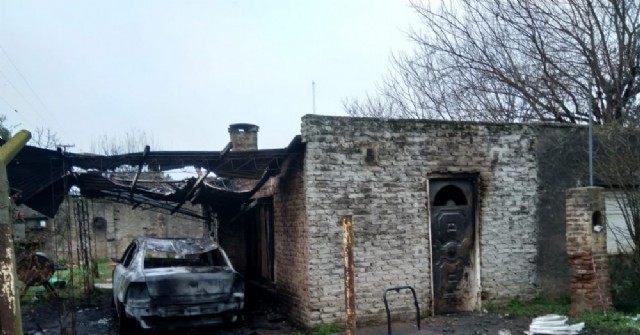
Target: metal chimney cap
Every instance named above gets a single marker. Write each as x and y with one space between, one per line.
243 127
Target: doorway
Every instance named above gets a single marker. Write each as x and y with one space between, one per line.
452 207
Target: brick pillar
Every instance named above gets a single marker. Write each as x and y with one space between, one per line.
587 249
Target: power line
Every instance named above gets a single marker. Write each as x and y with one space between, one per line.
21 115
32 91
22 76
20 93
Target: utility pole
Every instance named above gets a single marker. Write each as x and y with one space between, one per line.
65 147
598 98
10 317
591 146
313 94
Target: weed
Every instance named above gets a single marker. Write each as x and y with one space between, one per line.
326 329
611 323
531 308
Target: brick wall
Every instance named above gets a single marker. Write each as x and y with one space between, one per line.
292 254
587 250
290 237
388 199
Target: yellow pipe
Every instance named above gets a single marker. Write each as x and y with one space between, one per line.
10 315
13 146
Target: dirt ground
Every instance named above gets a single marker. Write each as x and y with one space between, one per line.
96 316
458 324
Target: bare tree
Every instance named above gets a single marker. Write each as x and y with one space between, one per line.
41 137
45 138
517 60
134 140
616 165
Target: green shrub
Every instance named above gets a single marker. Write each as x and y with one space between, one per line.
611 323
624 271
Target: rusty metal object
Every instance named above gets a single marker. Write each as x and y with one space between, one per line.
349 279
10 318
36 269
386 305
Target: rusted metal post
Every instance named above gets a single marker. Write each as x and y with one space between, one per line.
10 318
349 280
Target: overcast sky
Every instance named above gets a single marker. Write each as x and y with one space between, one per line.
184 70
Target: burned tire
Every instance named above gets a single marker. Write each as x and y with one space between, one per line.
113 293
230 320
125 325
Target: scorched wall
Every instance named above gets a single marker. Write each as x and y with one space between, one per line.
387 196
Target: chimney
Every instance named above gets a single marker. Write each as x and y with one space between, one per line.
244 136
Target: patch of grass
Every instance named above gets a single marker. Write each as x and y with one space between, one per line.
613 323
531 308
326 329
104 273
494 308
71 290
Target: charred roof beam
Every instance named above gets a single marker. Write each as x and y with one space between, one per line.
145 154
200 180
272 170
187 195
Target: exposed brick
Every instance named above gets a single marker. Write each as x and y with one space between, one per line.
587 250
388 202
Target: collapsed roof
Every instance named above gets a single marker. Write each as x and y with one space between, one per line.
41 178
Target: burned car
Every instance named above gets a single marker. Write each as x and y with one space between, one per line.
175 283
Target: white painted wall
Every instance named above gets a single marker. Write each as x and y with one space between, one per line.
618 238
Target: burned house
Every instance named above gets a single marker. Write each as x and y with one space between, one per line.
466 213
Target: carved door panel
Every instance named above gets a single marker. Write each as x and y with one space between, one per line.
451 204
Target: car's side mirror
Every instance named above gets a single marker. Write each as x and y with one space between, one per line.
116 260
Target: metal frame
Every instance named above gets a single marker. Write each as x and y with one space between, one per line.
386 305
